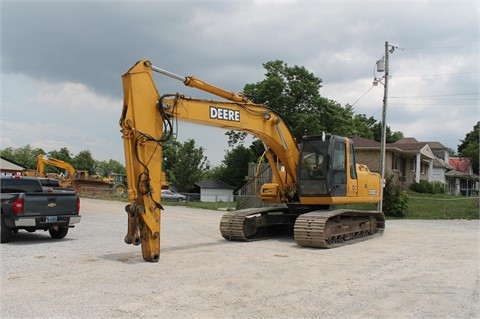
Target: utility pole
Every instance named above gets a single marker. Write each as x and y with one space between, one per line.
384 121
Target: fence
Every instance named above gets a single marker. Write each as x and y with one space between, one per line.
449 207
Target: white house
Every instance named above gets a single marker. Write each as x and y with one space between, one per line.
215 191
10 168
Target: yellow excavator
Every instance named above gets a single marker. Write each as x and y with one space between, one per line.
67 177
308 178
77 179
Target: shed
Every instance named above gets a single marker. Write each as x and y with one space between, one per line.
10 168
215 191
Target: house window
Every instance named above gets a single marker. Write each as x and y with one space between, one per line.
396 162
413 164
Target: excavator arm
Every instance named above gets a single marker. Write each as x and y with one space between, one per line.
41 161
146 122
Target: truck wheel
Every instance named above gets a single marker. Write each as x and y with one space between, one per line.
5 231
58 232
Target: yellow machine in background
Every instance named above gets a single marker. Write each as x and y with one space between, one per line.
71 177
69 171
307 179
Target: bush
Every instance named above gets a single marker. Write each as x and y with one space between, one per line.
395 199
427 187
439 188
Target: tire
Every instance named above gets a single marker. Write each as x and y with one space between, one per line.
58 232
120 190
5 231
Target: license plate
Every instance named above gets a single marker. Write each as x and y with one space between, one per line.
51 219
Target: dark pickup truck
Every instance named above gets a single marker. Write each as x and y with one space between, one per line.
26 205
52 185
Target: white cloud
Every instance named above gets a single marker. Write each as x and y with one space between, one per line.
56 115
74 97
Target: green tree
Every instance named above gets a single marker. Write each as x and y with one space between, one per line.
24 156
105 168
84 161
337 119
215 172
63 154
469 147
169 157
451 152
293 92
8 153
390 137
305 124
258 149
236 166
189 166
363 126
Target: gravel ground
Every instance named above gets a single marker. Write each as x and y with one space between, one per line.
417 269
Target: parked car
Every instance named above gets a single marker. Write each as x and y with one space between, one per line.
168 195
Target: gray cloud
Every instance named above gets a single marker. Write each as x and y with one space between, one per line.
225 43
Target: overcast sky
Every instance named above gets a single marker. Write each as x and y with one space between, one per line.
62 61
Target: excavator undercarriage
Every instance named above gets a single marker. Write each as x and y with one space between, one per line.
318 229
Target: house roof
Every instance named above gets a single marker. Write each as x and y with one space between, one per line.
438 162
406 145
361 142
454 173
414 143
216 184
407 140
414 147
459 164
437 146
9 165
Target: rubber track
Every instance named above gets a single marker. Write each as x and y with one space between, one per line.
309 228
233 224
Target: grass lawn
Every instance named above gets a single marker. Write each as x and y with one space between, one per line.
428 206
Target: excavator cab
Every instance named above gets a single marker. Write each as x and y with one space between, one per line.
326 168
328 174
313 167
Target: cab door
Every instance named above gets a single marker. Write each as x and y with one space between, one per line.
352 182
339 171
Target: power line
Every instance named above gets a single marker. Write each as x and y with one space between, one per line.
430 96
427 75
442 47
436 104
362 95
